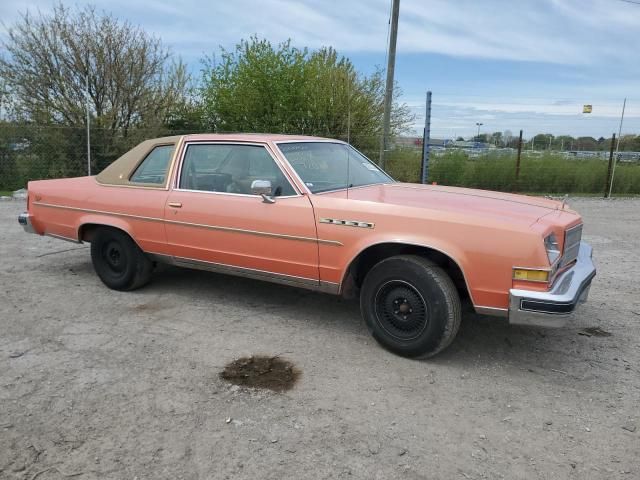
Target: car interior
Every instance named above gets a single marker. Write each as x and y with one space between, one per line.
231 169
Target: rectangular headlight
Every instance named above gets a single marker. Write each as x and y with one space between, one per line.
552 247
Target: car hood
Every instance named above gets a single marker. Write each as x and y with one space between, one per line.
505 206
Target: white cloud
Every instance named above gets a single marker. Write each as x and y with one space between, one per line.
454 117
556 31
592 35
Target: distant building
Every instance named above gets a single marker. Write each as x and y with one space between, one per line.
416 142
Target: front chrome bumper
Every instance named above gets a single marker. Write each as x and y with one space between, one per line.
553 307
24 219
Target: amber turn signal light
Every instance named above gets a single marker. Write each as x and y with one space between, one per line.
530 275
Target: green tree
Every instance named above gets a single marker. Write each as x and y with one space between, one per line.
586 144
132 80
563 142
629 143
542 141
496 138
261 87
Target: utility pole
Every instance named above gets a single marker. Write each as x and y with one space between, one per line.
613 172
88 128
609 170
424 174
388 95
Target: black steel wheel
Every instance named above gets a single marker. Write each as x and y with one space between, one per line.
401 310
410 306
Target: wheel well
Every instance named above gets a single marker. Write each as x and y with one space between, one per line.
88 230
366 259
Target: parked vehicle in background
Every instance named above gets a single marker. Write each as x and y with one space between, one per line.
315 213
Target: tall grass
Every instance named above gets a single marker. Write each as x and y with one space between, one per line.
545 174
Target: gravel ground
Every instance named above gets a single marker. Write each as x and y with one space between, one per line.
101 384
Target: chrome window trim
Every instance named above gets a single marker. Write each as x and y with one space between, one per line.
198 225
231 193
176 181
167 174
328 140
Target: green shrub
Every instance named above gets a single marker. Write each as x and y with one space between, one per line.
549 173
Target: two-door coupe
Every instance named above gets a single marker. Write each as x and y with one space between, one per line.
315 213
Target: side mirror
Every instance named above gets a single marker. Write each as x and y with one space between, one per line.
262 188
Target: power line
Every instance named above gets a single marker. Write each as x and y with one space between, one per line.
633 2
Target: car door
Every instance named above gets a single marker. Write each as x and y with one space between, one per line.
215 221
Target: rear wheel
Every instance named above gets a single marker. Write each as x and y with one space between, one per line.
410 306
118 261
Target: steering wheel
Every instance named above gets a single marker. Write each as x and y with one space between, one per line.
190 180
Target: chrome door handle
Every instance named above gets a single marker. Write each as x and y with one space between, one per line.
175 204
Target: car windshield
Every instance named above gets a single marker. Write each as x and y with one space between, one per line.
325 166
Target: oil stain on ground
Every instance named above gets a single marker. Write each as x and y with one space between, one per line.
258 371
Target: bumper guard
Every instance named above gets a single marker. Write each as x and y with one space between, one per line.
24 219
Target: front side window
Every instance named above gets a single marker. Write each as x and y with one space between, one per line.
231 169
325 166
154 167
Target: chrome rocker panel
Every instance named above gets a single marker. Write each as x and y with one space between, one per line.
553 308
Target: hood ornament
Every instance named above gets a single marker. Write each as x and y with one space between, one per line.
558 199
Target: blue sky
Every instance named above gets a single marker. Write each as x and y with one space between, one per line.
527 64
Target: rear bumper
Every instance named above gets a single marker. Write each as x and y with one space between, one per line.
552 308
24 219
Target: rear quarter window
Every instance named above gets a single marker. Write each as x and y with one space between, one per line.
153 169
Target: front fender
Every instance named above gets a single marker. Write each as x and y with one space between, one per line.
452 251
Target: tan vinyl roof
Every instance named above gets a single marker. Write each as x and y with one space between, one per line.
118 172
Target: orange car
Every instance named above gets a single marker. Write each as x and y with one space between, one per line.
316 213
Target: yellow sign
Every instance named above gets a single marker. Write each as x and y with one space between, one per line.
587 108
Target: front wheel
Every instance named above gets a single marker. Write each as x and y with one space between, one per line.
118 261
410 306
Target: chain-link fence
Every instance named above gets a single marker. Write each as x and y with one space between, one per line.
29 152
539 171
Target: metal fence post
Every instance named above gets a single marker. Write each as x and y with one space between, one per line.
518 159
424 171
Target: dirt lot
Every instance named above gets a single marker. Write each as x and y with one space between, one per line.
100 384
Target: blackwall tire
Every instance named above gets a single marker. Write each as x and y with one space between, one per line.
118 261
410 306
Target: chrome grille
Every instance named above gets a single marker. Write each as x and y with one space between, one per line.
572 239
